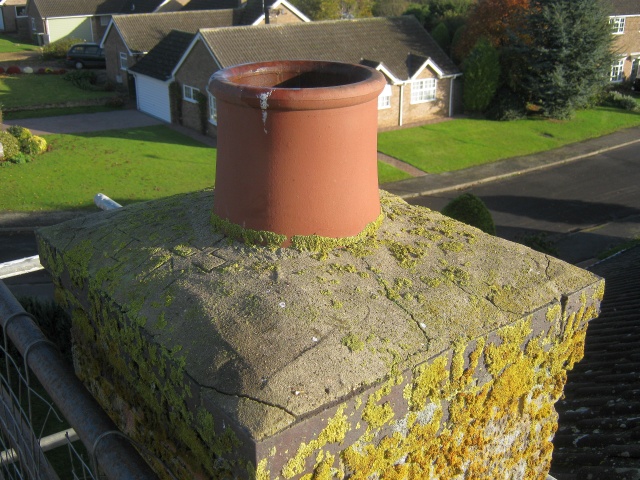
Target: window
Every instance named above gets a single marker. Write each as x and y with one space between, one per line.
104 20
423 90
213 110
617 25
123 60
189 93
617 73
33 24
21 11
384 99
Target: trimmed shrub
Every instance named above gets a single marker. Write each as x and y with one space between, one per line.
83 79
620 100
27 70
507 105
13 70
19 132
469 209
59 48
35 145
1 69
115 102
40 71
10 145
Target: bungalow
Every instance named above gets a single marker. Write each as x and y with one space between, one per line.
51 20
12 12
625 22
420 76
129 37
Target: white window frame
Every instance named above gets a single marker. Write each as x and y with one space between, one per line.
123 59
617 71
424 90
24 10
384 99
104 20
617 25
213 110
189 93
33 24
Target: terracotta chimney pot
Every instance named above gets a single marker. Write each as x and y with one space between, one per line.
297 147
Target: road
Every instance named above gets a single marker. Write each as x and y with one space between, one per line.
583 207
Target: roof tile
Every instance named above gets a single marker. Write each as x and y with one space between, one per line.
599 418
395 42
144 31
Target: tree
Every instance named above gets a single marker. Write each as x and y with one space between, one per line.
389 8
442 36
566 55
493 20
481 76
335 9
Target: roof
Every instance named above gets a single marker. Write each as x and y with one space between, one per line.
142 32
624 7
599 425
69 8
159 62
394 43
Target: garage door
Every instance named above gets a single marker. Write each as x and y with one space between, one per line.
153 97
74 27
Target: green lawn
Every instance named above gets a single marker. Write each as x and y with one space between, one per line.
32 89
463 143
126 165
9 44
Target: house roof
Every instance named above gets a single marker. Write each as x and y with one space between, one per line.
393 43
624 7
599 424
144 31
161 60
70 8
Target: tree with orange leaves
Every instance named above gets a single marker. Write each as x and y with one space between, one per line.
493 20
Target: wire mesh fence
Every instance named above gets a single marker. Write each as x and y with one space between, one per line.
31 426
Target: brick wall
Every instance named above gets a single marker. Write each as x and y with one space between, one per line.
195 71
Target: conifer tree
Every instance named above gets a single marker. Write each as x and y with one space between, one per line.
565 54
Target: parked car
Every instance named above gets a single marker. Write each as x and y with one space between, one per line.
84 55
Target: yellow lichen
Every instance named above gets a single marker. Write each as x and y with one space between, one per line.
334 432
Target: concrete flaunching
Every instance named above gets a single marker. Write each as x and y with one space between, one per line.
426 349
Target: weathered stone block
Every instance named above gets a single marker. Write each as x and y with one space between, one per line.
425 349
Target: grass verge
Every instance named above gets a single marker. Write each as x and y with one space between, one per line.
127 165
18 91
464 143
11 44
